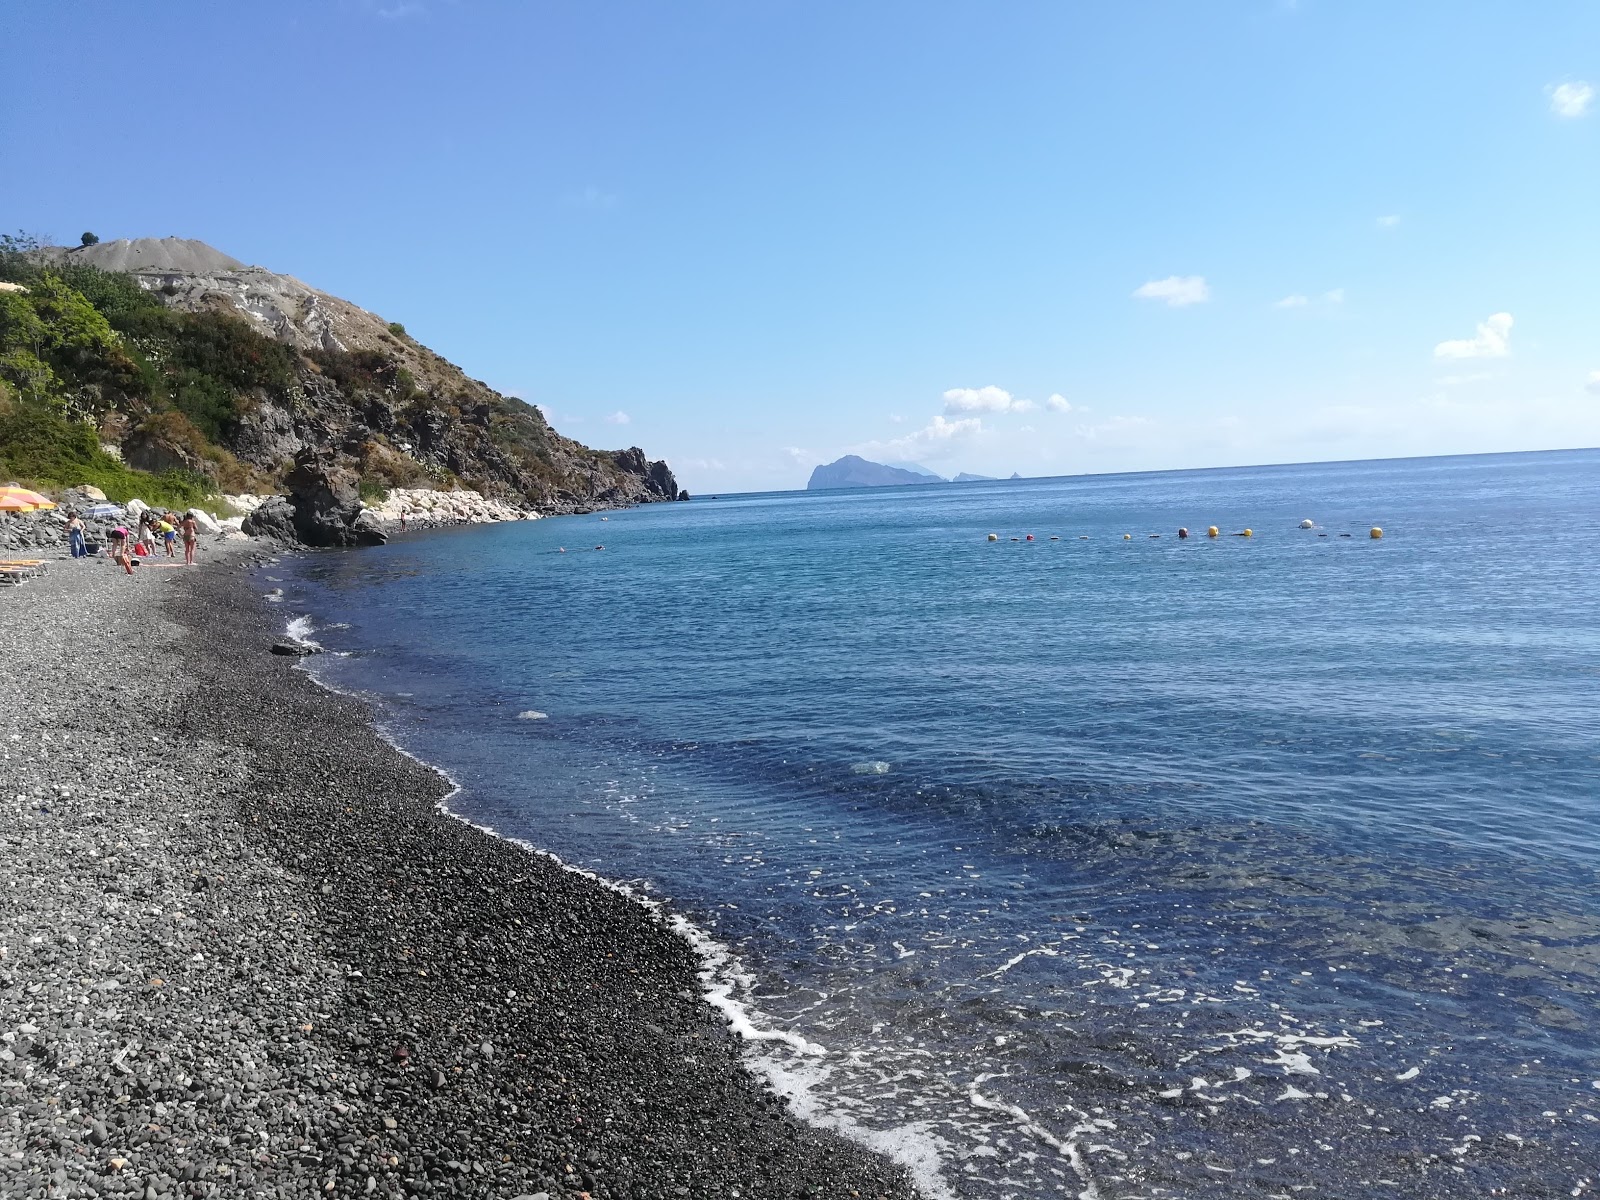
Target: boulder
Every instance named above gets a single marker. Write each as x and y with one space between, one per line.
82 496
294 649
323 507
134 509
368 529
207 523
273 518
327 503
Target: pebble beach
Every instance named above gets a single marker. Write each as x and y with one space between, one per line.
243 952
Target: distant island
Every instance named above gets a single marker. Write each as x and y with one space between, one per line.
854 471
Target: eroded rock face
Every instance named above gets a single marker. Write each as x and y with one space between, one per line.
151 452
266 435
323 507
657 477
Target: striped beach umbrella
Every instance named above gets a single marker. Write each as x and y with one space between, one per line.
20 499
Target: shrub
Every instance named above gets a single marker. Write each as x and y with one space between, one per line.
397 329
373 491
43 449
88 239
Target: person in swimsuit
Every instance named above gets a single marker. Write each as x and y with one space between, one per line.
169 534
75 534
191 535
119 549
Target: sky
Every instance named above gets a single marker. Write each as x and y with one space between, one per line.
1046 238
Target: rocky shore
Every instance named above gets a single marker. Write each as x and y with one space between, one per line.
242 952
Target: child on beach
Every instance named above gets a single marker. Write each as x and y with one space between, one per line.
191 535
147 532
169 534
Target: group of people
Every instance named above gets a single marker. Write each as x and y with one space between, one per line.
153 529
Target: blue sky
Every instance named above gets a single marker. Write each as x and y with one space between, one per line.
1039 237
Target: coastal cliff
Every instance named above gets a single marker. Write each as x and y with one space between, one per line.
168 357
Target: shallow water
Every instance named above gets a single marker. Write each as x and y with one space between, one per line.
1084 867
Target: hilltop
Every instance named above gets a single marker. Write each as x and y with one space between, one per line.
169 357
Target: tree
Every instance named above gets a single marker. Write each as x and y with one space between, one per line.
89 239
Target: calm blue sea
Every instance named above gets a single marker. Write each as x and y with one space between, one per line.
1100 866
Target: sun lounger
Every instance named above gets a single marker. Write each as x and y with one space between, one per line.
15 570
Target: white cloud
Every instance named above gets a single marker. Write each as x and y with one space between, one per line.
985 399
1390 221
938 439
1493 340
593 199
1301 300
619 418
1177 291
1570 99
1058 403
802 457
1593 385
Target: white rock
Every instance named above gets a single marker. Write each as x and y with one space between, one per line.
205 520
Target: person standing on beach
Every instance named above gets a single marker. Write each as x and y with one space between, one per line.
169 534
147 531
75 534
191 535
119 548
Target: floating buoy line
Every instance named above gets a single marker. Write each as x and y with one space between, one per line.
1375 533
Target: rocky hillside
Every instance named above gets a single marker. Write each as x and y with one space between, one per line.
192 365
855 471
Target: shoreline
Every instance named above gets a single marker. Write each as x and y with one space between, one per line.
395 1002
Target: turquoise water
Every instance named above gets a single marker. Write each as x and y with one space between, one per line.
1095 866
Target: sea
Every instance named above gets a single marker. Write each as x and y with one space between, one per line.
1082 859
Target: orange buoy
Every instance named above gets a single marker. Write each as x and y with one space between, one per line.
1212 531
1375 533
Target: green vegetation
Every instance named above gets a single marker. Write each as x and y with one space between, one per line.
83 349
397 329
88 239
41 448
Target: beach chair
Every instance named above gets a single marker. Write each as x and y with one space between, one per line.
27 566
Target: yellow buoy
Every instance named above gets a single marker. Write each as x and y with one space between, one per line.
1375 533
1212 531
994 537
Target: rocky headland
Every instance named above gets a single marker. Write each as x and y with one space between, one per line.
243 953
166 360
